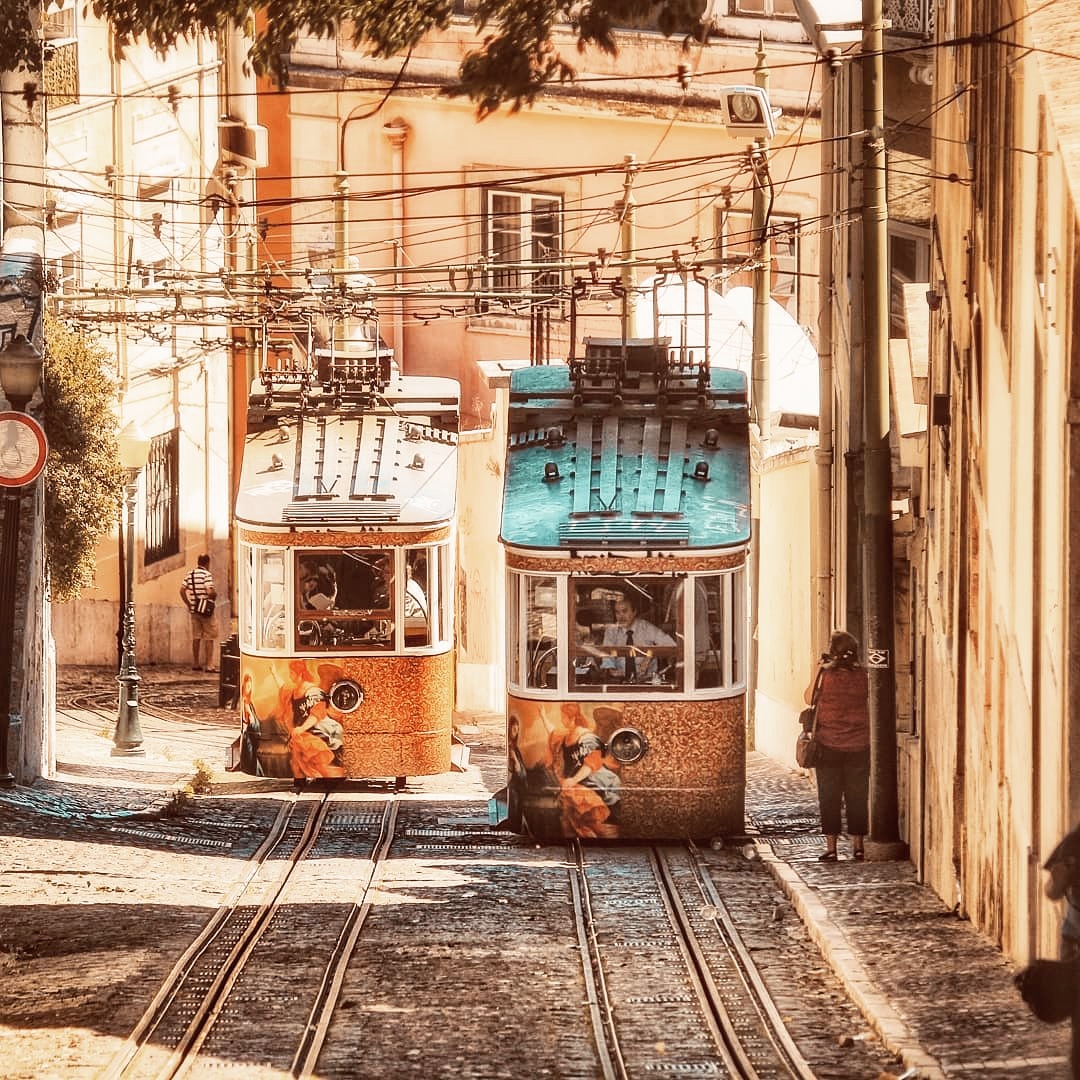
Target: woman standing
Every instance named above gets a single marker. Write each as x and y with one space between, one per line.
843 730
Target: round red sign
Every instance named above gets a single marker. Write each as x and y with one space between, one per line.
23 449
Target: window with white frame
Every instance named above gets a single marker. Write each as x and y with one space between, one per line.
522 229
735 244
58 21
63 258
765 8
909 262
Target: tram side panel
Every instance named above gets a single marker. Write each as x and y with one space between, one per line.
566 779
346 716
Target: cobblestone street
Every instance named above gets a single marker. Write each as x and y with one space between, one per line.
100 887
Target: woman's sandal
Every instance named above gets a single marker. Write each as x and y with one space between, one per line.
827 856
858 855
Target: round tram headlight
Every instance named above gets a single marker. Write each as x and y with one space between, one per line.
627 745
346 696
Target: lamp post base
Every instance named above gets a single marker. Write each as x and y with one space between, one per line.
128 751
128 736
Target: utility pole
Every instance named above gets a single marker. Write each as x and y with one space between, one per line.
877 470
759 224
627 211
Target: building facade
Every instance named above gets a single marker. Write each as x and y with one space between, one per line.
475 232
999 753
138 231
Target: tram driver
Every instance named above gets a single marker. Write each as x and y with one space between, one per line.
635 635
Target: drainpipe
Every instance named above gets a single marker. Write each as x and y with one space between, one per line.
397 131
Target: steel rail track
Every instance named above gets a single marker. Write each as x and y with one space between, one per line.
215 1000
174 981
137 1059
307 1053
600 1011
769 1015
733 1004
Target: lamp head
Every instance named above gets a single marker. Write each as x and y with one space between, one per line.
20 371
134 446
747 111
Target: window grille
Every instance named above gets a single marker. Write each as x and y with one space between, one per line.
162 498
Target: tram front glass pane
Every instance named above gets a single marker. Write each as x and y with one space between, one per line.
268 595
419 595
541 637
627 631
664 633
344 599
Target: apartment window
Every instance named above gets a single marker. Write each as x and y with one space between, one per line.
63 259
522 228
162 498
735 245
764 8
909 262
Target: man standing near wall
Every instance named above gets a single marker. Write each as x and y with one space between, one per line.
199 596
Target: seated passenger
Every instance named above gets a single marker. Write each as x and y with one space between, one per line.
318 590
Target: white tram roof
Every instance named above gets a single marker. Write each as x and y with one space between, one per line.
387 464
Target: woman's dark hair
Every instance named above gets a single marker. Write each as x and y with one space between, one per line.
844 648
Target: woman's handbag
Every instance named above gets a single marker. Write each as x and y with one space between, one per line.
807 748
1049 987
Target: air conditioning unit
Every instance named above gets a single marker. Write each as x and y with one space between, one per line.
246 143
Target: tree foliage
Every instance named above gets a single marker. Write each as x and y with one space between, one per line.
84 480
516 58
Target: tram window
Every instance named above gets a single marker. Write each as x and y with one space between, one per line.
416 601
620 636
541 623
719 604
342 599
270 589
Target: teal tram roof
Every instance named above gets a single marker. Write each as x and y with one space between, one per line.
635 454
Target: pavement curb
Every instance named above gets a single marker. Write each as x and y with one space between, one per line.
838 953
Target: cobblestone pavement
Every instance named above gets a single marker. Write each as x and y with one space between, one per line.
938 994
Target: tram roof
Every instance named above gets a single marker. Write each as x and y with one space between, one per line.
390 464
630 474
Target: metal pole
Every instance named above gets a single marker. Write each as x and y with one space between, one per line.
627 211
9 563
128 738
759 364
877 473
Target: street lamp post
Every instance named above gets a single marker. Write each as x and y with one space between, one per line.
21 457
134 449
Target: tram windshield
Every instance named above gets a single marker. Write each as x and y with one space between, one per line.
648 634
344 599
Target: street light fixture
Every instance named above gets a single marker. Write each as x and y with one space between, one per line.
22 456
134 447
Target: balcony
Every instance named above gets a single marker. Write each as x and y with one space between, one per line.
910 19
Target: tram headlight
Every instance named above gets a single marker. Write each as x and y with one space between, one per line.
346 696
627 745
